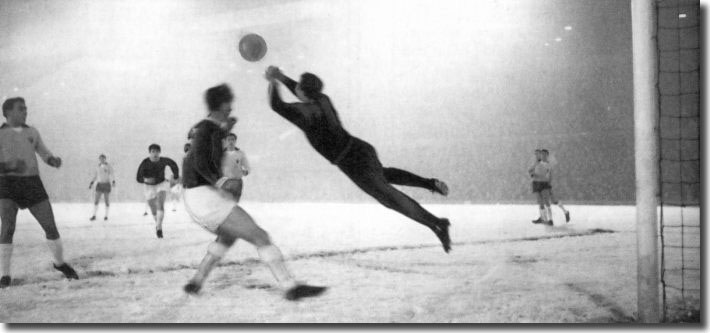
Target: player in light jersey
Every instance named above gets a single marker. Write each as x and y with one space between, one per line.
540 173
235 164
103 177
21 187
151 173
210 206
553 200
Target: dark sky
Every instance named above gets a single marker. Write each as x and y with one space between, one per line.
459 90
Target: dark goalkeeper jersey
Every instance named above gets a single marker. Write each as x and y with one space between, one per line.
319 121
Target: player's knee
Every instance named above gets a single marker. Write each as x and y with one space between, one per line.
217 249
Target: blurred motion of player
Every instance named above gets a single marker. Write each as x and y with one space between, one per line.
208 201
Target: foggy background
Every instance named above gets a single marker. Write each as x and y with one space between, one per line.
459 90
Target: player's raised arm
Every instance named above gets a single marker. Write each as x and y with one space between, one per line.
286 110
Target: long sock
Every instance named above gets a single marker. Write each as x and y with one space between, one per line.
5 259
543 215
406 178
57 250
562 207
215 252
96 209
106 215
548 211
271 255
159 219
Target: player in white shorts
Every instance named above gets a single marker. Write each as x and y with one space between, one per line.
540 173
235 164
103 177
553 200
208 200
151 173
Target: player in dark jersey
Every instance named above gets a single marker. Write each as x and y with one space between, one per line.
22 188
151 173
207 199
317 118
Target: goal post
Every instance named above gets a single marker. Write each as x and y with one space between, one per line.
646 147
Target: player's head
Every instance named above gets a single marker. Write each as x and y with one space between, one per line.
154 150
545 154
187 147
219 99
309 87
538 154
102 158
15 110
231 140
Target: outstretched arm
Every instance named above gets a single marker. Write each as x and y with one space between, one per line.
286 110
274 73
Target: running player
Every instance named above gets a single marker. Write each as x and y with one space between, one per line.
151 173
553 200
209 205
540 173
21 187
103 176
235 164
316 116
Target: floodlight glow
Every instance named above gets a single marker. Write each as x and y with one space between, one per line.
558 39
568 28
682 16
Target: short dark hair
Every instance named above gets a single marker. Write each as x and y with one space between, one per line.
544 151
215 96
232 134
10 103
311 84
154 146
102 155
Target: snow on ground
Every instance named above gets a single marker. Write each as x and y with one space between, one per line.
379 266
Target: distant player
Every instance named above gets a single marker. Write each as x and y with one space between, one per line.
209 204
176 189
357 159
103 176
553 200
235 164
21 187
540 173
151 173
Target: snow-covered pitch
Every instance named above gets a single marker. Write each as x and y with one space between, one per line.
379 266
